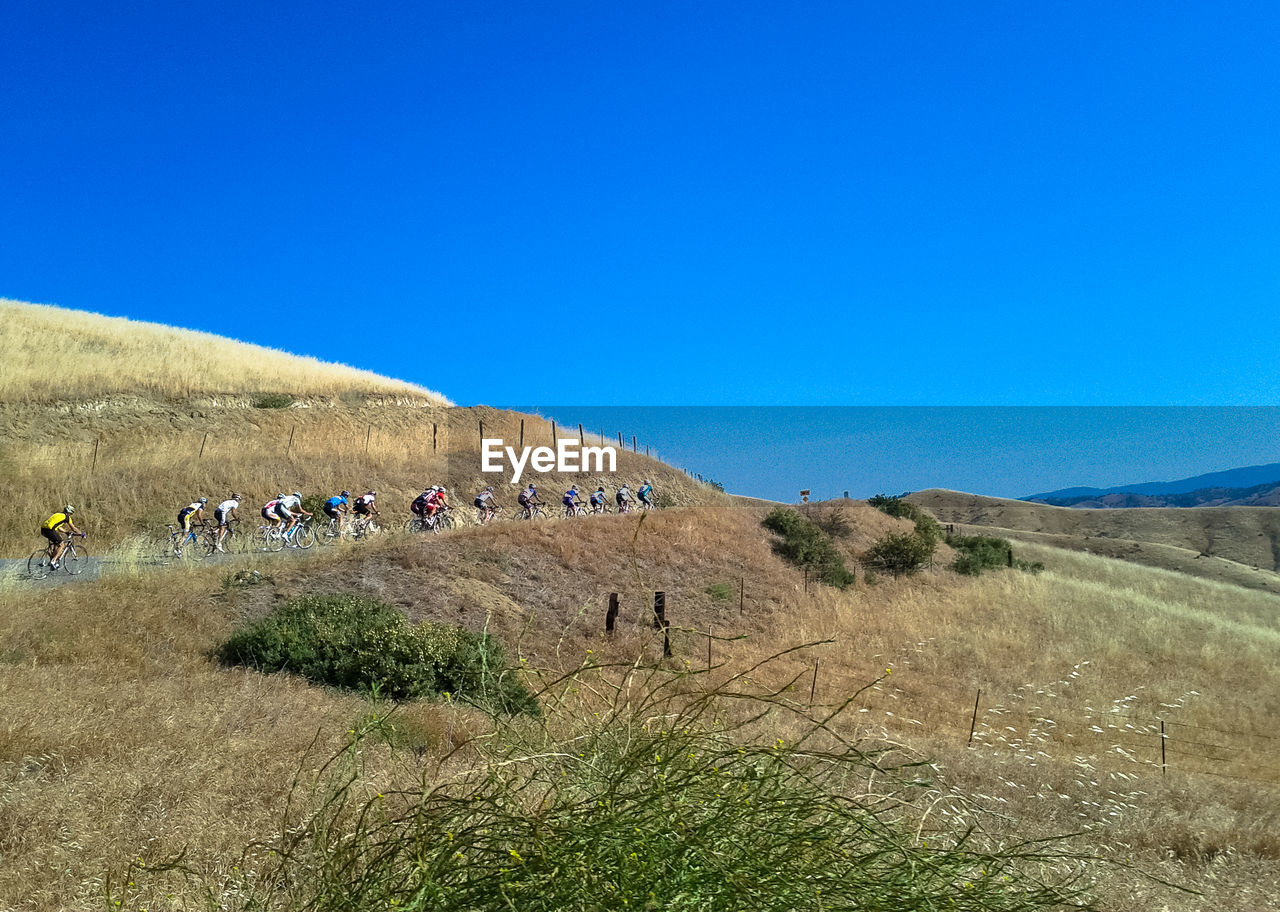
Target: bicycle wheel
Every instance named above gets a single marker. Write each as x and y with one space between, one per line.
305 537
38 564
445 522
75 559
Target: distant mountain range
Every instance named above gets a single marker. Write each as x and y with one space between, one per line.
1251 486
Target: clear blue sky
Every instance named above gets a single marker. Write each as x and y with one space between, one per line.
997 451
761 203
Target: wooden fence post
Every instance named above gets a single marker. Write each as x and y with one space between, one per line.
367 434
201 456
611 616
582 438
633 444
708 647
813 688
522 433
1163 766
973 723
481 429
290 446
621 445
553 435
742 595
659 610
435 429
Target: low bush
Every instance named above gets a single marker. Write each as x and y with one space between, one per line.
362 644
905 552
806 545
720 591
273 401
986 552
926 526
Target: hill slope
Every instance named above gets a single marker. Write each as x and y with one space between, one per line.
151 417
50 354
1240 545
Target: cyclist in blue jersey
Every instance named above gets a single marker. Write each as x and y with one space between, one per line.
646 494
337 507
597 500
571 502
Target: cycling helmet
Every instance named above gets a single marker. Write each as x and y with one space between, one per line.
297 493
237 497
345 494
646 481
68 509
601 488
204 500
444 490
280 496
532 486
489 488
372 493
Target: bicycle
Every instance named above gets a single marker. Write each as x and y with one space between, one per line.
574 509
74 558
181 543
233 542
331 533
481 520
365 526
530 511
600 509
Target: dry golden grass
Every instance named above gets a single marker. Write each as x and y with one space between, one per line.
149 461
51 354
1246 536
123 738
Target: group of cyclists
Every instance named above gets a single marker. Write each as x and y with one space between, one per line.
597 501
354 514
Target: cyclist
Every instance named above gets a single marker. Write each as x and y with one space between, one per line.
270 511
486 504
597 500
528 499
336 508
290 508
192 511
623 497
365 508
571 503
645 493
51 530
436 503
223 514
419 506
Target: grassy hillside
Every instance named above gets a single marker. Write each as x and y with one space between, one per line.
52 354
1240 545
125 739
149 418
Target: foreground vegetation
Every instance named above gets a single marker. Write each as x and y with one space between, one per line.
646 791
126 738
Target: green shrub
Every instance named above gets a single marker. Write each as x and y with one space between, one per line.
806 545
979 552
362 644
986 552
720 591
273 401
900 553
926 526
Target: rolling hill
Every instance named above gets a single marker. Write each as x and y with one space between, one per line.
139 419
1031 705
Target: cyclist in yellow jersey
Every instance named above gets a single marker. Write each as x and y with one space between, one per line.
51 529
